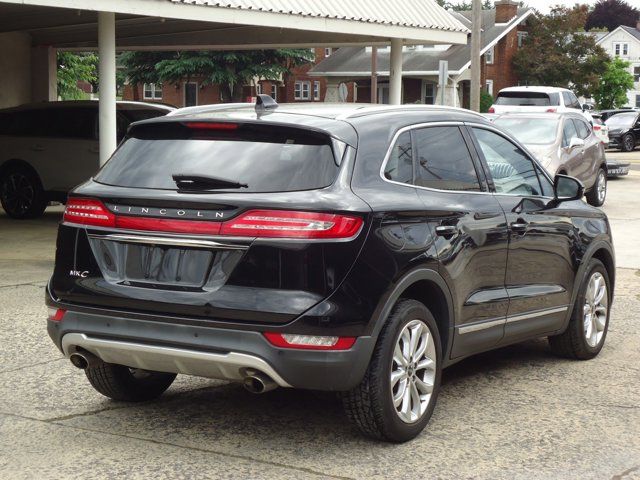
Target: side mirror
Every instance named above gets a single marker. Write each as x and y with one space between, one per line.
575 143
567 188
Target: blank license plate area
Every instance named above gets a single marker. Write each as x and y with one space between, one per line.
167 266
153 265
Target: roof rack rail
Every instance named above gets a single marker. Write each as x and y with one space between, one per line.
265 102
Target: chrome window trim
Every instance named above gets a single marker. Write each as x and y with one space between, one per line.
531 157
419 126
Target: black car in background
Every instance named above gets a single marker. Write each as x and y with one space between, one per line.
605 115
624 130
343 248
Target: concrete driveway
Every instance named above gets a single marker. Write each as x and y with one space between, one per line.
515 413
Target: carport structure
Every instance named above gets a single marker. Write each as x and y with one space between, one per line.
32 30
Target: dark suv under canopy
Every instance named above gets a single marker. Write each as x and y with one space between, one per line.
347 248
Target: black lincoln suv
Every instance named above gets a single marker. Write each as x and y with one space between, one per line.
344 248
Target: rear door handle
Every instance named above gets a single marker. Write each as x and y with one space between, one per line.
446 231
519 227
37 148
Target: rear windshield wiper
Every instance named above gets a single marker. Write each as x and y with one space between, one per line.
201 182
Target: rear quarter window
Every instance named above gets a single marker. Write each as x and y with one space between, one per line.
266 158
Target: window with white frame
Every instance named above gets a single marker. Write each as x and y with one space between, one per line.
636 74
274 92
488 56
152 91
621 49
302 90
328 52
258 89
316 90
489 87
521 38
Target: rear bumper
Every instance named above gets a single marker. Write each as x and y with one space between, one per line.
209 352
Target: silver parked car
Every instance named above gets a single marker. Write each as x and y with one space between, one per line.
564 143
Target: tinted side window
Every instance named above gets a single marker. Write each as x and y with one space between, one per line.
569 131
513 172
399 167
443 160
583 129
77 123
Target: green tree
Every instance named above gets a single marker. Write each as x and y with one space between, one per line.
616 81
486 100
74 68
555 55
230 69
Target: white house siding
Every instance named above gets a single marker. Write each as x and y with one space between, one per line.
633 56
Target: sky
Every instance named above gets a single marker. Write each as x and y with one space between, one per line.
545 5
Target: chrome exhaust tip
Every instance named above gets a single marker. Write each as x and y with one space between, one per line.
79 361
259 383
84 360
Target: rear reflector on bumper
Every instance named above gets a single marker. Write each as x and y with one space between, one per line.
56 314
253 224
309 342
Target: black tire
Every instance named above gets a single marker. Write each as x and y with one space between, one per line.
21 193
593 196
128 385
572 343
369 406
628 143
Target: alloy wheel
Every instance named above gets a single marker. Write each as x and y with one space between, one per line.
602 186
413 371
595 310
628 143
18 193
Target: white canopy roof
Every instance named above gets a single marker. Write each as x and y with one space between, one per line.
181 24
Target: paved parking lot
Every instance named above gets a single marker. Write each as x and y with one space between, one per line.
514 413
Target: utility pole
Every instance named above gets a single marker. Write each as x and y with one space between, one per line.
374 74
476 32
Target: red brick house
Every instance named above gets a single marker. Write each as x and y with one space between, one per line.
504 29
298 86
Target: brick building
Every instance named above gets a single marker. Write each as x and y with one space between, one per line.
298 86
503 30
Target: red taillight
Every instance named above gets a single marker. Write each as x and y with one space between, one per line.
597 128
492 110
309 342
552 110
56 314
88 212
227 127
255 223
287 224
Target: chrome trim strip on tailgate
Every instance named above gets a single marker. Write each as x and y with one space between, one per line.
168 241
223 366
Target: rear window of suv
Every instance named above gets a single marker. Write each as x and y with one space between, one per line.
264 158
528 99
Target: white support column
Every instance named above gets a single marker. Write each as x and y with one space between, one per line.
395 75
107 55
